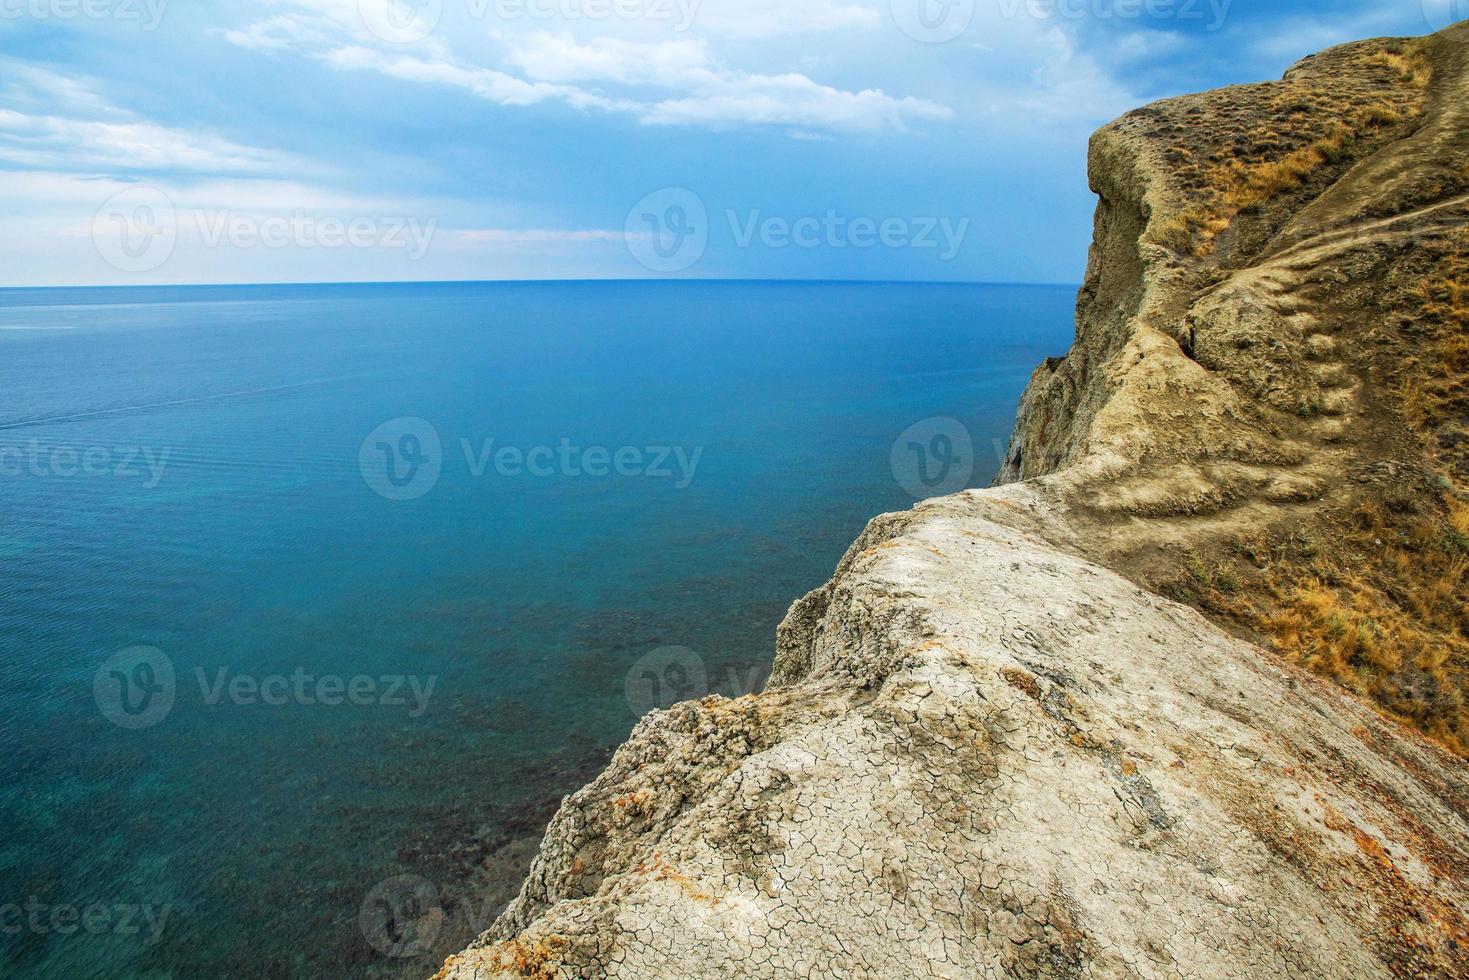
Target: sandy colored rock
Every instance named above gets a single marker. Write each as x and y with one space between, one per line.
987 757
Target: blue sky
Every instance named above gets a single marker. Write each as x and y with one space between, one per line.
175 141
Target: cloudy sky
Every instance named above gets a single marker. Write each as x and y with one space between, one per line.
148 141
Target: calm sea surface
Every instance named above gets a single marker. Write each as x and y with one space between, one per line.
315 600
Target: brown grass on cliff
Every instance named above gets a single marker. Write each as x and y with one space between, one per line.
1409 64
1394 627
1376 595
1292 145
1435 387
1376 599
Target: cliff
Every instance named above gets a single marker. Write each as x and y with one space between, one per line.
1185 696
1265 413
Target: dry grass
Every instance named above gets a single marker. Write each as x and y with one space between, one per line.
1433 381
1381 604
1408 64
1307 130
1459 517
1374 593
1186 233
1248 186
1385 614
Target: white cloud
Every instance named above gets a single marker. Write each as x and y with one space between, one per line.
795 100
1142 45
560 58
715 95
1067 84
660 82
488 84
51 224
279 34
78 129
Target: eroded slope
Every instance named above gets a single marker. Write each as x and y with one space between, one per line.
1266 412
986 757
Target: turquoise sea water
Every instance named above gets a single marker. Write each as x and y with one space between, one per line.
295 662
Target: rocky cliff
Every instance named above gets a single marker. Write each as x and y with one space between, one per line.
1184 697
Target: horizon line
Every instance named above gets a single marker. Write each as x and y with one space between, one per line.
547 281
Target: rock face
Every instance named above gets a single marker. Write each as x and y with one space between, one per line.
986 750
1266 410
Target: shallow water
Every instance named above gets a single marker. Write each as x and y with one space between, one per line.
389 658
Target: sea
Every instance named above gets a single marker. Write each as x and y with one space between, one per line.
315 601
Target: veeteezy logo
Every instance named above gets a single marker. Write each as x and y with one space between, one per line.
1211 13
1441 13
405 917
414 21
147 13
137 688
834 230
138 229
139 463
667 676
303 230
92 919
934 458
403 459
933 21
677 464
670 230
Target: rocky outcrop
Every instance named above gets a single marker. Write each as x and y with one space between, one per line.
1266 411
988 747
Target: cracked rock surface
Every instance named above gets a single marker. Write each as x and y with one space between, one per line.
982 755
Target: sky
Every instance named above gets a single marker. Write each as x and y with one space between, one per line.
225 141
